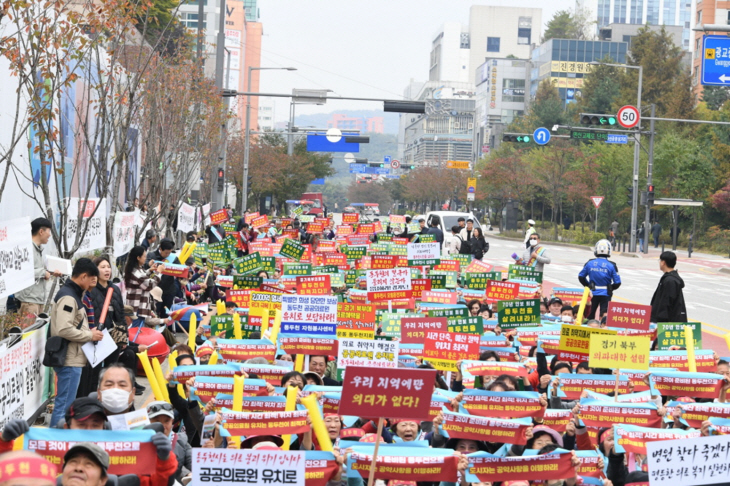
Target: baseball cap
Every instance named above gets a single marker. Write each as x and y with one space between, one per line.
157 408
96 452
83 408
531 221
204 351
555 300
129 312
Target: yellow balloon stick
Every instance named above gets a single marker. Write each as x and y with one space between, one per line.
315 415
173 364
275 328
299 363
689 342
186 252
144 359
160 377
220 307
238 381
237 334
291 404
581 310
192 333
264 321
213 358
183 251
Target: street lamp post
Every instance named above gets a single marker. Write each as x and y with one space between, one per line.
637 152
244 183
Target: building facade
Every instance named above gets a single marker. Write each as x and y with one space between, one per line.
709 12
266 114
375 124
450 49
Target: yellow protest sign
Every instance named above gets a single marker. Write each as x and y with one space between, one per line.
575 341
627 352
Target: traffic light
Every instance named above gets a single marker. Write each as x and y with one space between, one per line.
249 183
597 119
650 195
516 137
630 196
221 179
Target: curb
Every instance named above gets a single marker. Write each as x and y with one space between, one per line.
573 245
725 270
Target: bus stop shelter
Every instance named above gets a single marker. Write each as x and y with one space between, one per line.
676 203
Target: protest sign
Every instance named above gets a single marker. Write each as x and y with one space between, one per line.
518 313
447 266
383 262
175 270
366 353
350 218
259 221
421 254
606 351
292 249
277 423
16 256
450 312
246 282
557 419
276 403
474 427
572 385
355 321
498 290
130 451
249 263
671 334
679 360
597 413
309 314
311 346
399 393
523 272
232 467
479 266
569 296
394 283
439 297
23 376
443 349
468 325
123 233
634 439
218 217
186 218
243 349
413 329
419 285
486 467
503 404
403 465
314 285
575 341
699 460
297 269
479 281
684 384
89 214
628 316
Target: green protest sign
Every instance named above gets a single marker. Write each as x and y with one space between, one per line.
438 280
414 228
522 272
247 282
248 264
381 248
451 279
297 211
479 280
390 323
450 312
672 334
518 313
219 254
464 260
232 244
221 325
355 252
351 277
426 238
228 227
292 249
298 269
200 253
416 273
385 237
306 218
466 325
399 250
268 264
337 280
325 269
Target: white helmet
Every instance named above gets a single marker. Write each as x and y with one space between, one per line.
603 248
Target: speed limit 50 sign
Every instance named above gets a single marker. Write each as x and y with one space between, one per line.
628 116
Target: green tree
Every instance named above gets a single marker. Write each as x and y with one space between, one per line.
715 96
601 89
567 25
547 109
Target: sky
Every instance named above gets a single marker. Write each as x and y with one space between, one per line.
358 49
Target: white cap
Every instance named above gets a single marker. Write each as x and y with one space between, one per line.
531 222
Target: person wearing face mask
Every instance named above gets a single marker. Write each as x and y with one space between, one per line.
600 275
566 314
535 255
162 413
116 389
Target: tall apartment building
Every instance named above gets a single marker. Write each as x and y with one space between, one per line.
709 12
641 12
375 124
266 114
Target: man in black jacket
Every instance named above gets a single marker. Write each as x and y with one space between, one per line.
667 304
170 285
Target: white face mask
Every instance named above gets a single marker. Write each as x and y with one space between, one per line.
115 400
566 319
533 242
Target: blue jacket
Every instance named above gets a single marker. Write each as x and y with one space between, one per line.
601 275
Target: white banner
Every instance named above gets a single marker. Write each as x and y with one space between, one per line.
702 460
204 218
123 232
232 467
186 218
390 280
21 377
423 251
367 352
16 256
95 236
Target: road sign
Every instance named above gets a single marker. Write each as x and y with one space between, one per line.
597 200
457 164
587 135
715 60
628 116
349 158
395 164
612 138
541 136
387 159
471 188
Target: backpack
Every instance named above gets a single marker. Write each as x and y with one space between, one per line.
465 248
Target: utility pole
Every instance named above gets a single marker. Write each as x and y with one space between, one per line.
219 58
635 181
649 170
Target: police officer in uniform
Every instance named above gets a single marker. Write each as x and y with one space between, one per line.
600 275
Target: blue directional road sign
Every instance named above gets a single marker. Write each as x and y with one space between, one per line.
387 159
541 136
715 60
617 139
319 143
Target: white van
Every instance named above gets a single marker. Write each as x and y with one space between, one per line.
447 219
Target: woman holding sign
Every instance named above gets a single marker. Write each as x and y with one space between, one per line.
139 282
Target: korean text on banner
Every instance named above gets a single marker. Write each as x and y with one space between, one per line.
399 393
394 283
627 352
16 256
91 213
232 467
575 341
309 314
123 232
218 217
702 460
186 218
367 353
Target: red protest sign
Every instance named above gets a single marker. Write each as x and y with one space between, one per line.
418 285
206 391
327 246
249 217
314 285
383 262
344 230
522 468
366 229
679 384
355 320
504 405
252 404
309 346
635 440
498 290
444 349
335 259
474 427
350 218
557 419
180 271
260 221
439 297
678 360
629 316
218 217
241 298
358 240
413 329
240 350
315 228
447 266
396 393
494 368
419 468
478 266
568 296
605 414
276 423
